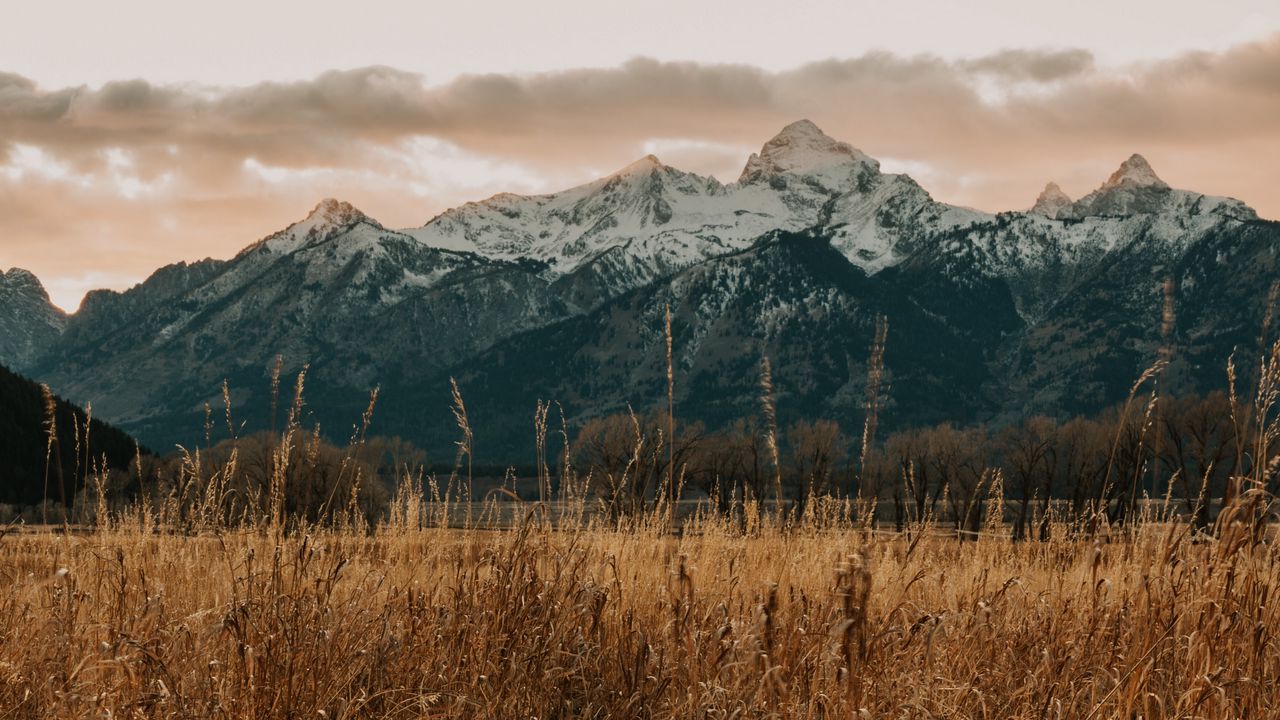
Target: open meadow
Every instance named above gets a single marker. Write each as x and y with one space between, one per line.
726 619
270 584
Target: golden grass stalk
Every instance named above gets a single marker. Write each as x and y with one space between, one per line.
875 379
769 410
465 443
673 495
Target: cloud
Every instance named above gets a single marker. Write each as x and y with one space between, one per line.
333 119
106 174
1033 65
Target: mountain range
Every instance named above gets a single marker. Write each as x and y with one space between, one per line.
1056 309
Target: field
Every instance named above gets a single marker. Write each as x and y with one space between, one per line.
724 619
266 581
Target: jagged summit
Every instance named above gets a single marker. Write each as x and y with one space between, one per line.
29 321
334 213
328 216
1135 189
643 166
801 147
1134 172
20 279
1052 201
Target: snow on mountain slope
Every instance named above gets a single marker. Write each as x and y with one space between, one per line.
1045 252
327 217
336 290
653 219
664 216
801 148
880 224
367 305
649 220
335 235
1133 202
1134 188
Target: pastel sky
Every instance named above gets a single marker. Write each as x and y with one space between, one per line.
137 133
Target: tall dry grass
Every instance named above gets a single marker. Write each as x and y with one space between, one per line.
208 604
185 608
630 621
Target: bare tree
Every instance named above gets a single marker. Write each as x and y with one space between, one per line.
1197 449
630 458
915 491
958 459
816 450
1025 450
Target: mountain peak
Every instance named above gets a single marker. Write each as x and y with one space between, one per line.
1134 172
803 128
336 212
17 274
1051 201
642 166
24 280
327 219
29 322
330 214
801 147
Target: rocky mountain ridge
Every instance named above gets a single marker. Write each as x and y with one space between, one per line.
29 321
557 296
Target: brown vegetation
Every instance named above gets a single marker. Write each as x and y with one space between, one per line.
626 620
276 576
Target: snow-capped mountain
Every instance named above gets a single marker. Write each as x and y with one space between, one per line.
359 303
558 296
29 322
1134 188
803 149
1043 252
648 219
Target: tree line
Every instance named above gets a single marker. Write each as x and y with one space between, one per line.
1186 449
1189 450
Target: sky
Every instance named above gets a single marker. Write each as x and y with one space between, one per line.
138 133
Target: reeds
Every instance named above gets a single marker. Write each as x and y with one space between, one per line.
215 599
672 491
875 382
597 622
585 616
51 428
770 413
814 616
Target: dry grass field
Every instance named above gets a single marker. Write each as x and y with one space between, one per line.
212 598
725 620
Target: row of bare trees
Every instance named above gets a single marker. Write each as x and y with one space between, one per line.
1183 449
